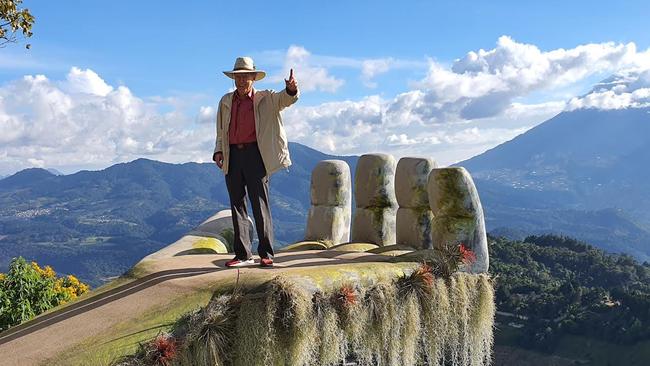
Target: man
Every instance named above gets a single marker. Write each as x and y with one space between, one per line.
251 145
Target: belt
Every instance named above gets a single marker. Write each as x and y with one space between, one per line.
245 145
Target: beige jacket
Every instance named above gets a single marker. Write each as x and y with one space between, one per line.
269 130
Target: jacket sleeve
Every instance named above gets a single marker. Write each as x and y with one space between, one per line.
282 99
219 122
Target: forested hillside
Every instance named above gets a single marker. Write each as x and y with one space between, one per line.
549 287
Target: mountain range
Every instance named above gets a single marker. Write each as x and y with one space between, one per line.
581 174
97 224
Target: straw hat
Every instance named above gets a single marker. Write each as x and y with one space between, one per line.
245 65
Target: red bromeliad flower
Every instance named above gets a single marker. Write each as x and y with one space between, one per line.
165 348
467 256
425 272
347 295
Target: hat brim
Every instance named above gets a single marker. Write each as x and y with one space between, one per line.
259 74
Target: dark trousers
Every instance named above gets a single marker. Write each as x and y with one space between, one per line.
246 173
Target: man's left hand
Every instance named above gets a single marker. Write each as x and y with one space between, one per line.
291 83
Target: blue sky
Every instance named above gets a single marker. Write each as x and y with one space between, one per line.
387 72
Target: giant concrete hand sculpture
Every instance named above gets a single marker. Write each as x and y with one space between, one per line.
458 214
374 192
414 214
331 203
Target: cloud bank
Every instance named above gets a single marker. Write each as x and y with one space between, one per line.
84 122
473 104
626 89
452 112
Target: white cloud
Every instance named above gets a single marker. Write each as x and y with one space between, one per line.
373 125
373 67
82 121
626 89
485 83
310 76
453 113
610 99
36 163
313 71
401 139
336 126
207 115
463 109
86 81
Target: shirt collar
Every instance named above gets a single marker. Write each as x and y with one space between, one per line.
251 94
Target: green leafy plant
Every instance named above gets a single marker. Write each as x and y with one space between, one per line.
27 290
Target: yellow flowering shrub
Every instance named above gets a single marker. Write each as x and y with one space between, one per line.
69 288
29 289
46 272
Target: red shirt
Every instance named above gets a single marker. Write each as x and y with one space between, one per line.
242 119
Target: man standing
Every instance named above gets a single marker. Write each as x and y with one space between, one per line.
251 145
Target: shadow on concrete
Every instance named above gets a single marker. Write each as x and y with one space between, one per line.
278 261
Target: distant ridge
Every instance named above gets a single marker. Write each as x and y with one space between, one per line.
26 176
581 173
97 224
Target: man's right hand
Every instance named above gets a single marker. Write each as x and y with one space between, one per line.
218 158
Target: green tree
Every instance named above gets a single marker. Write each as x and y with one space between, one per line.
13 21
570 287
